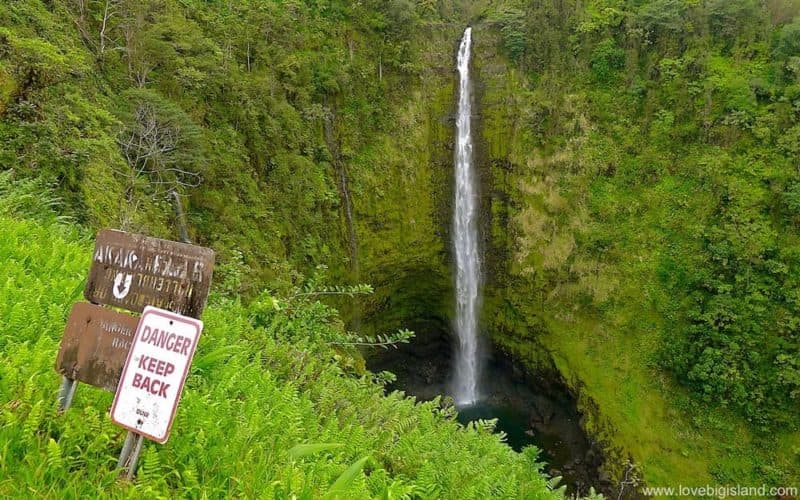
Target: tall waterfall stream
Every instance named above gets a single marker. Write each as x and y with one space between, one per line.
465 241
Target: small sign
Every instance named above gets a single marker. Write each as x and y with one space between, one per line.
154 373
95 345
132 271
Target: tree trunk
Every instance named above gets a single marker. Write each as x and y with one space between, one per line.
180 217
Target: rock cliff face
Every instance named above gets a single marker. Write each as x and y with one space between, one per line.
404 224
572 285
401 194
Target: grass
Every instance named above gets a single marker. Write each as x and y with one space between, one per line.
255 399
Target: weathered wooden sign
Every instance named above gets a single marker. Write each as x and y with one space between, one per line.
154 373
133 271
95 345
145 361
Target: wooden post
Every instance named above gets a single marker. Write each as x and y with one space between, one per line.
180 217
126 450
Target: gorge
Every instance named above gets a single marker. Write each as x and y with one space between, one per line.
530 409
618 274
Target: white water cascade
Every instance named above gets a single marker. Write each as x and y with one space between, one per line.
465 242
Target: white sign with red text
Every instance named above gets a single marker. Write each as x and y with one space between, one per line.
152 380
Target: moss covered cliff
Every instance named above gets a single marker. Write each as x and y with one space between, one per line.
630 229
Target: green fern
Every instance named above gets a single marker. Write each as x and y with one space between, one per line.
399 490
54 461
236 433
405 426
149 471
33 421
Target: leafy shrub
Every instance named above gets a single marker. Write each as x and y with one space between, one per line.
512 28
662 18
606 60
730 19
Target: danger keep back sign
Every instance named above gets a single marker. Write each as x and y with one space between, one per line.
152 381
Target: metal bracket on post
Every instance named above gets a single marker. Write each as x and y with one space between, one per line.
65 393
129 456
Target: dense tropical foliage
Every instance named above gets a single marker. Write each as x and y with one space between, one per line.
651 171
698 103
640 190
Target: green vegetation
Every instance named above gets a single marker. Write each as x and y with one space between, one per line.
647 157
273 406
268 119
253 112
641 195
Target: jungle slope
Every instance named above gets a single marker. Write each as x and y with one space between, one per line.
271 407
295 134
642 223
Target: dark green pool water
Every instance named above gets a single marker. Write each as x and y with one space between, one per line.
531 410
512 423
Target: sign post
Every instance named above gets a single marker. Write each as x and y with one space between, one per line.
152 380
66 392
132 271
95 345
170 282
129 456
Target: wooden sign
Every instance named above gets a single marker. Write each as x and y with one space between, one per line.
154 373
95 345
133 271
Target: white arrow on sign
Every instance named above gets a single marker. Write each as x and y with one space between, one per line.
122 285
152 380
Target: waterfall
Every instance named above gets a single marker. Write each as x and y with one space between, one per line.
465 241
